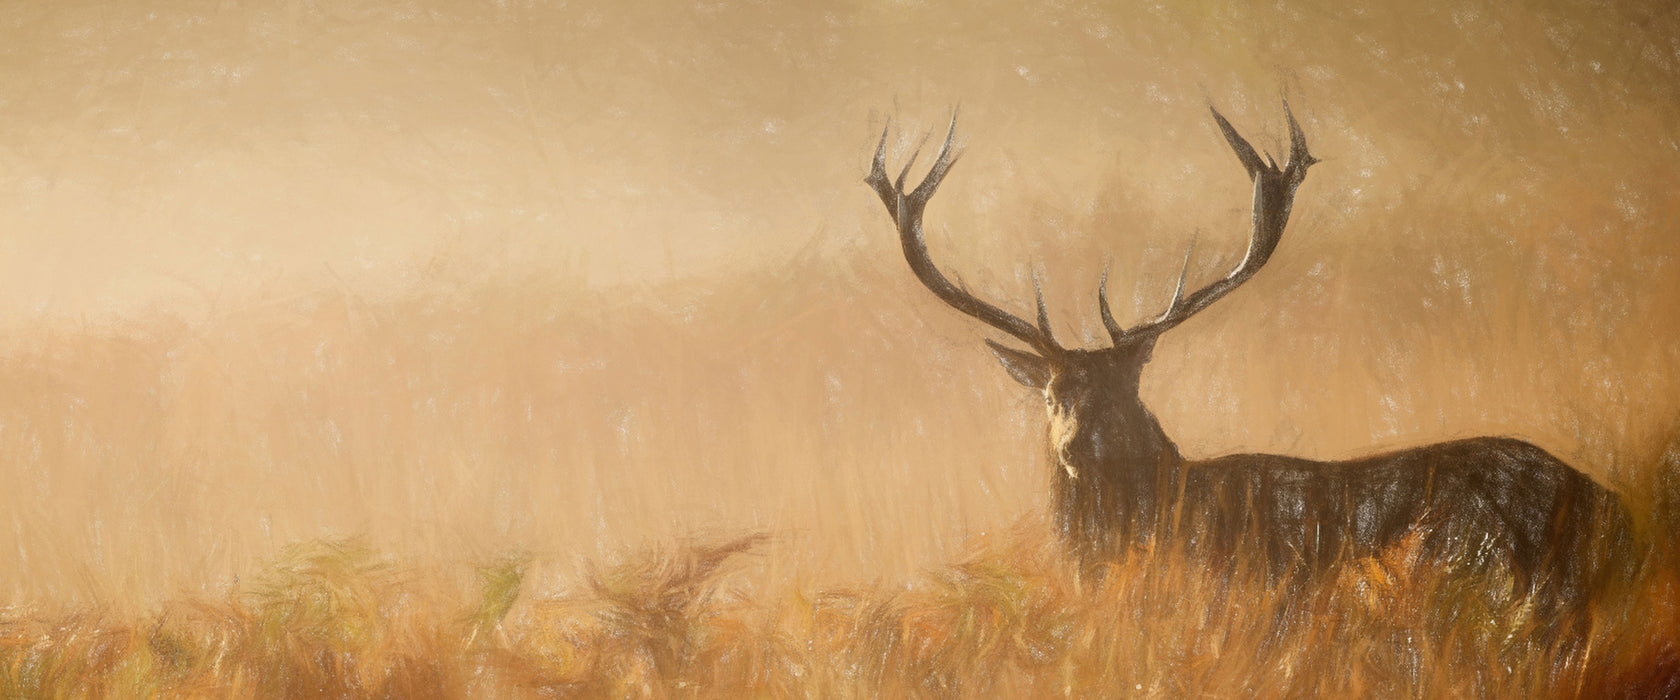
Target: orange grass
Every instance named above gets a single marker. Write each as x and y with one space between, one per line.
334 619
138 450
162 454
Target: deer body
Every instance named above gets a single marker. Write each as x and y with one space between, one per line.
1484 492
1119 481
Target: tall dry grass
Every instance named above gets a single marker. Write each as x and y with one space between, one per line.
461 417
163 468
335 619
830 401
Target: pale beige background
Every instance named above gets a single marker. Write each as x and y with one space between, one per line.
471 277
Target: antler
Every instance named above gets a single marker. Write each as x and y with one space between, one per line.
906 211
1274 194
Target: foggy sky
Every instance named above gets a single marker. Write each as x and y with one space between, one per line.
167 150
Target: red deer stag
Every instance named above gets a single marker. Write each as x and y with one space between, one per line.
1120 480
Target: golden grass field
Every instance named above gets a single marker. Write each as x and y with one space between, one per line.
335 619
545 593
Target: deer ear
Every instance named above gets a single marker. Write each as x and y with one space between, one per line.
1027 368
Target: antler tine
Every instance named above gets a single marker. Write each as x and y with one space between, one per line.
906 210
1178 293
1115 332
905 172
942 164
1245 153
1299 158
877 178
1043 313
1274 194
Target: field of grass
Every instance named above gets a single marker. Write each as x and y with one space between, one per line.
336 619
163 461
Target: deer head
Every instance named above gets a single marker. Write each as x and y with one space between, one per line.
1106 443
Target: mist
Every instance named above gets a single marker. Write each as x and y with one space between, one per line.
468 278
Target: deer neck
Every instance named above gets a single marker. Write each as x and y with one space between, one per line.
1114 463
1113 441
